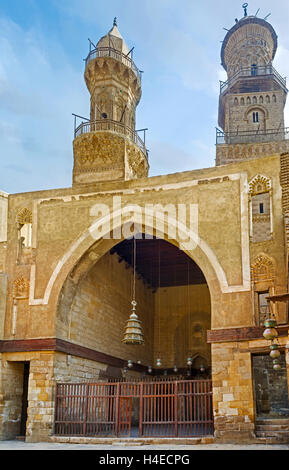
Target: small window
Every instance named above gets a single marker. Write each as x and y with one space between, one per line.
253 69
256 116
261 208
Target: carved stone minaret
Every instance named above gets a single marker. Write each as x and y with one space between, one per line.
252 100
107 147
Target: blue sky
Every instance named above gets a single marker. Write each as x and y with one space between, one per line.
177 44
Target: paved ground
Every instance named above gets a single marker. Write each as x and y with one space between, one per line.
17 445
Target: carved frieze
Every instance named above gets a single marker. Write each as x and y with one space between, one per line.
229 153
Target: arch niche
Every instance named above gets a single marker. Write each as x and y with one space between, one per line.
94 303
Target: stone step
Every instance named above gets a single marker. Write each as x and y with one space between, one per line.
277 434
272 421
133 441
271 440
272 427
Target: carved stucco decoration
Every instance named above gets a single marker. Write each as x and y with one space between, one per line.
100 149
24 216
136 161
242 152
259 184
263 269
21 288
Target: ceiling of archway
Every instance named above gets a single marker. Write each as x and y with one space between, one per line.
159 263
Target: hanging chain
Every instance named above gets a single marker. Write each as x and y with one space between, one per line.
159 301
134 266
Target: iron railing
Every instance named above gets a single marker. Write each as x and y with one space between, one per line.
144 409
115 54
252 136
113 126
252 72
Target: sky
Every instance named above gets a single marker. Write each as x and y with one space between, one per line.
176 43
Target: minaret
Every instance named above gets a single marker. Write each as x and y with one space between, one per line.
252 100
107 147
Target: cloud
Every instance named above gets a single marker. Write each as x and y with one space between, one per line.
38 92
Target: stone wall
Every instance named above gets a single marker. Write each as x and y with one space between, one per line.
46 369
3 298
240 107
11 388
233 400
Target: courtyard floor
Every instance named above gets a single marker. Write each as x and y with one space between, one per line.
18 445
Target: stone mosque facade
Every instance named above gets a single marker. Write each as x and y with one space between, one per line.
66 272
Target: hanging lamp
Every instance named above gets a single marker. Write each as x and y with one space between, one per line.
133 332
274 351
189 361
270 332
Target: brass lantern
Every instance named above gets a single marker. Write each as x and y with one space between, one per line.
270 333
274 351
189 361
133 332
276 364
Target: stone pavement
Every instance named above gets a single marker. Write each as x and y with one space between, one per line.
18 445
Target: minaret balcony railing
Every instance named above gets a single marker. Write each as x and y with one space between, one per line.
252 136
252 72
113 126
115 54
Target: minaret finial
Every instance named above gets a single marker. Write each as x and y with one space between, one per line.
245 6
114 22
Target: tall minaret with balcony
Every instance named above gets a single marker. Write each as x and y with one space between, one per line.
107 147
252 100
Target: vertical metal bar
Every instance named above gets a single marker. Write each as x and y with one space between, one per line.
117 408
85 409
55 409
190 411
140 409
162 403
176 407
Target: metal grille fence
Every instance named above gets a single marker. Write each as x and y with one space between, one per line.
164 409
